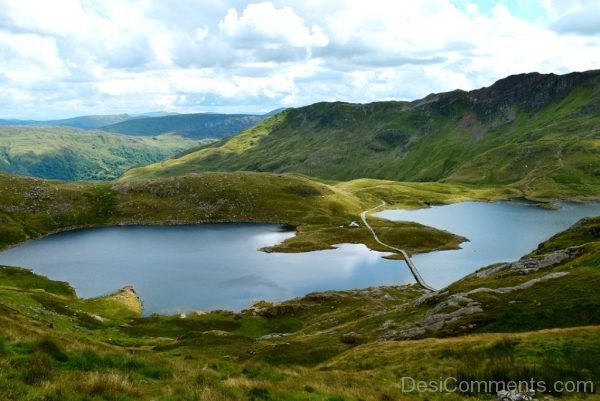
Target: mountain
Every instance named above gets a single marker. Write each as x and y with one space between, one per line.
83 122
156 114
538 133
73 154
199 125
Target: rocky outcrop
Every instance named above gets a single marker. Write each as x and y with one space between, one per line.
455 307
522 286
532 264
444 313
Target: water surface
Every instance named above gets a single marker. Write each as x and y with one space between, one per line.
498 232
204 267
186 268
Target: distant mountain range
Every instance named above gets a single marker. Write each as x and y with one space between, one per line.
82 122
538 133
200 125
196 125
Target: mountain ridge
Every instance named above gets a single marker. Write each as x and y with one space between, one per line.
194 125
83 122
513 132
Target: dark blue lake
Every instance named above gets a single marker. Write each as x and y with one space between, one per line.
186 268
176 269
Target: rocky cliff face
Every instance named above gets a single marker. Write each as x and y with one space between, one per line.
531 92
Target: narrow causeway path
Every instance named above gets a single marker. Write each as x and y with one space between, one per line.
407 258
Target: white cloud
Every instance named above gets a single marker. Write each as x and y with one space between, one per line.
70 57
263 24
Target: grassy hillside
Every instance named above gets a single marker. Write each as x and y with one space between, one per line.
83 122
30 208
200 125
72 154
536 133
323 346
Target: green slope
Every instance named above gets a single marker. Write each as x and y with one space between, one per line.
200 125
72 154
537 133
30 208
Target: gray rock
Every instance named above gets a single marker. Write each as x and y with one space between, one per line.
408 334
274 335
533 264
522 286
515 395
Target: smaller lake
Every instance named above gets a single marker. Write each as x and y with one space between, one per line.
497 232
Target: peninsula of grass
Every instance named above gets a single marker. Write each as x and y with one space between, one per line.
320 213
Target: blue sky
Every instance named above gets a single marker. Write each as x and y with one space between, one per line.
530 10
72 57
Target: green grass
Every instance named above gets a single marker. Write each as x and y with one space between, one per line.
319 212
544 143
72 154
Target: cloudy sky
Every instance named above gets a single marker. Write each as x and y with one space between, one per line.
63 58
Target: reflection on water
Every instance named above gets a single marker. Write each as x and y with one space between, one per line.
218 266
498 232
199 267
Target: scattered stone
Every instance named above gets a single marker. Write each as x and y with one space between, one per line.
408 334
388 324
325 296
98 318
515 395
217 333
263 308
423 299
182 316
434 322
274 335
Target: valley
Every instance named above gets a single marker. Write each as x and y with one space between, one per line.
492 175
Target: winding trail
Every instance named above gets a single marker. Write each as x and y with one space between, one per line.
407 259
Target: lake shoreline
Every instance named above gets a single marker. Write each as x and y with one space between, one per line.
278 228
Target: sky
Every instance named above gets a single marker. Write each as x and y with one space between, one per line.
63 58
